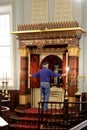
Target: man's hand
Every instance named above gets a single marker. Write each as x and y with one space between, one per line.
64 74
30 75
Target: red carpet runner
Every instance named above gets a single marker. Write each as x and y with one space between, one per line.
24 119
27 118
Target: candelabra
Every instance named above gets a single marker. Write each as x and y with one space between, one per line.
67 69
66 93
9 96
5 89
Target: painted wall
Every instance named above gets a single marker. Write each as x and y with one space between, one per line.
83 46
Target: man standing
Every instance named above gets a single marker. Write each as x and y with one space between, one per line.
45 74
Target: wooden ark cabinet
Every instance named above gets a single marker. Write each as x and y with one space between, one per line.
59 37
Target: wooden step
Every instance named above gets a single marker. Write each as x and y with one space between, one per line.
24 126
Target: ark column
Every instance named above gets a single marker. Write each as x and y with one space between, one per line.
73 62
23 96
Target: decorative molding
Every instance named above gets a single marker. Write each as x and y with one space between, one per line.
47 42
43 34
48 50
47 25
56 95
49 33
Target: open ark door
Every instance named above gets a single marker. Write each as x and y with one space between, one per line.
34 67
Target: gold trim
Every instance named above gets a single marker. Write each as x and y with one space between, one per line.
23 99
24 52
74 51
49 30
43 34
42 37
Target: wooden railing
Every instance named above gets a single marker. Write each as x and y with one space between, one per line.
61 115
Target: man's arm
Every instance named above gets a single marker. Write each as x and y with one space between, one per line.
30 75
34 75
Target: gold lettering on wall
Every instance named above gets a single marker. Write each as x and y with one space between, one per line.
63 10
40 11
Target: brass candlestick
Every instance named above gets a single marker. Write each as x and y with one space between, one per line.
66 93
6 91
9 96
3 89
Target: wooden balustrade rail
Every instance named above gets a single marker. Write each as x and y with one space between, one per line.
63 115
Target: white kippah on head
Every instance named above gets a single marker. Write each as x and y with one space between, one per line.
45 64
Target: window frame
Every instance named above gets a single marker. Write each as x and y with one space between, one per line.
7 9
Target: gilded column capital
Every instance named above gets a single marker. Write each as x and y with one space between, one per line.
74 51
24 52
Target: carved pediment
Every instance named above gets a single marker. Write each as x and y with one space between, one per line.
44 34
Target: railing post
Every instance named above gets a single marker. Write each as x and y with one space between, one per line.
77 95
39 115
66 108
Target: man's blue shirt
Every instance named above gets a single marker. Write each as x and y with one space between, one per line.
45 75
